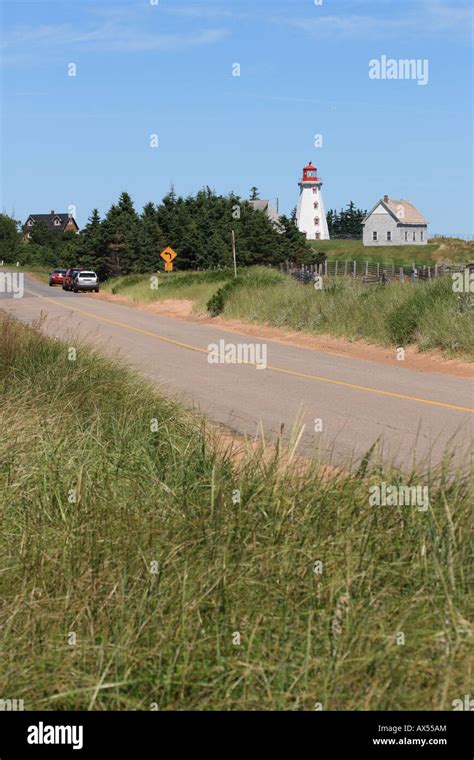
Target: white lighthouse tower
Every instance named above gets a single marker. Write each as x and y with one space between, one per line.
310 213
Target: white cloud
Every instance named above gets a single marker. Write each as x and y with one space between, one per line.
419 19
117 34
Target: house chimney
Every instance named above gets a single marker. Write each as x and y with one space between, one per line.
385 199
52 212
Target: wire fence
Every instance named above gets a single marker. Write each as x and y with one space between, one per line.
371 271
459 236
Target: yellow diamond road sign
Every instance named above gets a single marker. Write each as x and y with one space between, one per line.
168 255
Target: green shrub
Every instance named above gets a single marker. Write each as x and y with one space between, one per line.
216 303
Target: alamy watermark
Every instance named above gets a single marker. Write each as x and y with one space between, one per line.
467 703
12 283
385 495
46 734
9 705
238 353
403 68
463 282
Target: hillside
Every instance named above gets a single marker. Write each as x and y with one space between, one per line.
437 251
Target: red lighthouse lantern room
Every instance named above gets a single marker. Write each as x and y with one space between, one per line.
310 173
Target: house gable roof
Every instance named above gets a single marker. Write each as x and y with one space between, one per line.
406 212
385 206
266 208
403 212
48 219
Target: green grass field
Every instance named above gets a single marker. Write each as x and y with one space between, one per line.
134 578
437 250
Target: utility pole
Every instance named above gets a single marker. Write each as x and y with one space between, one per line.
233 253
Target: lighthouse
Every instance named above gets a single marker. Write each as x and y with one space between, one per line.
310 213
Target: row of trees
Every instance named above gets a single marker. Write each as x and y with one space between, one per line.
346 223
198 227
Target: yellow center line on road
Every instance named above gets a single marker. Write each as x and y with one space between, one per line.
283 370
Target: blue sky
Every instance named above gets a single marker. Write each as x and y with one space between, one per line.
166 69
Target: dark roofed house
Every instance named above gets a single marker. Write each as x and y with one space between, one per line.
63 222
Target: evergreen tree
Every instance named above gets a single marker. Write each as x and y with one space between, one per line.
254 194
293 242
91 246
346 223
121 229
151 240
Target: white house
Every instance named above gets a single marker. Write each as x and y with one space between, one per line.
394 223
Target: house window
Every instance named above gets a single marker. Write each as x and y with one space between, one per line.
315 204
374 235
421 234
414 236
316 219
315 190
30 222
406 236
389 235
56 222
318 235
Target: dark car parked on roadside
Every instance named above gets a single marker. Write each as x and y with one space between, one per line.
69 277
56 277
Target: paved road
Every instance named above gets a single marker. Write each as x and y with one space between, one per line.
412 414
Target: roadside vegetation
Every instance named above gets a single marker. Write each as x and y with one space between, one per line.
426 314
143 567
198 287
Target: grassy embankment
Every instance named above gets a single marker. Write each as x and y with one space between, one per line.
428 315
436 251
88 621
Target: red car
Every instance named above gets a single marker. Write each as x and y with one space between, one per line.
69 277
57 276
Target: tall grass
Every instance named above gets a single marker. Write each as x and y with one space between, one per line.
427 314
102 477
